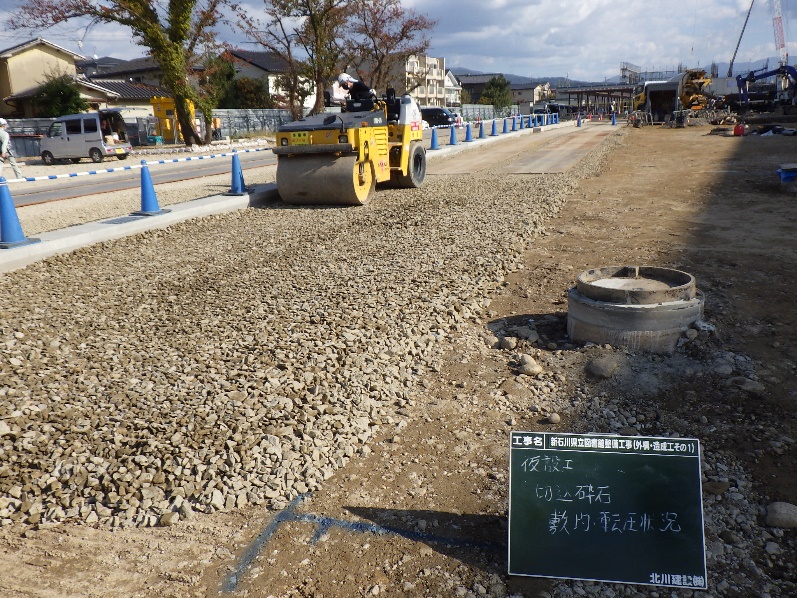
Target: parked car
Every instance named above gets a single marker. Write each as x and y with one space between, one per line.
438 117
94 135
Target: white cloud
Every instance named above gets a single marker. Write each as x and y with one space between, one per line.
587 39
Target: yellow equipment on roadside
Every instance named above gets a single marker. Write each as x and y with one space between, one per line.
337 159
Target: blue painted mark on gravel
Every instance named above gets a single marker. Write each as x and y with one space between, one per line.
324 524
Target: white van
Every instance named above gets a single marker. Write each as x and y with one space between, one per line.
93 135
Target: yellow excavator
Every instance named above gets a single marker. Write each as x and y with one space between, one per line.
337 159
683 91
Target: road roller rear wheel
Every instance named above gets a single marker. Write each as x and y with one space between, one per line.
416 169
324 179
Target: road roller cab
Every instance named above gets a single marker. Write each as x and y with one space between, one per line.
338 158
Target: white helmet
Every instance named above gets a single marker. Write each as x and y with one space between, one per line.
345 78
3 122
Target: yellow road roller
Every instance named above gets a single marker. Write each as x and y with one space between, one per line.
337 159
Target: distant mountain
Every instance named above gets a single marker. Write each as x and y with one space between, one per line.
743 67
459 70
511 78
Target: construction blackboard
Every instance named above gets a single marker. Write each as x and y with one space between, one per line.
624 509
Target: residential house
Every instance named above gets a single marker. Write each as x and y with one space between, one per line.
531 93
254 65
269 66
426 79
453 90
138 70
475 84
96 67
132 99
25 67
260 65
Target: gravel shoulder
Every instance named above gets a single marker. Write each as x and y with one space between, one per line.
371 358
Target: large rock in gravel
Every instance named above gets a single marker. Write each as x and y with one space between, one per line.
782 514
605 366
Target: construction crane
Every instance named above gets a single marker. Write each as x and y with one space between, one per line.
733 58
777 26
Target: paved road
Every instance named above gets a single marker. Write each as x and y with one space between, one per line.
547 152
66 188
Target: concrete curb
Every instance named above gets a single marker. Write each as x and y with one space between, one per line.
68 239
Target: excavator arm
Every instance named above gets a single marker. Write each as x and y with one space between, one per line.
741 82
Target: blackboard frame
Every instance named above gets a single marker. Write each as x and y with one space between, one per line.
600 507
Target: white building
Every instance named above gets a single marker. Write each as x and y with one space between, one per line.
426 80
453 90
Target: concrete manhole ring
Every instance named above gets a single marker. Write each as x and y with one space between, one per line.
638 307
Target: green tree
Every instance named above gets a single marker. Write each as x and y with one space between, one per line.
59 95
175 32
218 78
497 93
246 92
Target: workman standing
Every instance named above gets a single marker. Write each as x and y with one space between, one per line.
6 153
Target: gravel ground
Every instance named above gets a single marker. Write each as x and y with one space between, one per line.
244 358
248 364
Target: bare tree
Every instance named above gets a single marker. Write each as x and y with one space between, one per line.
384 35
172 30
304 33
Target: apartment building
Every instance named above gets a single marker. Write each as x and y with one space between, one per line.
426 80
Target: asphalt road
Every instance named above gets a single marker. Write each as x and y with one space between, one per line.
106 182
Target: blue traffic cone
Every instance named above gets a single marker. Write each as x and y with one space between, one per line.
468 133
578 120
434 144
481 129
514 123
149 201
495 129
614 119
453 139
506 126
11 234
237 186
521 122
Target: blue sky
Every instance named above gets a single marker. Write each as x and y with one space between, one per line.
581 39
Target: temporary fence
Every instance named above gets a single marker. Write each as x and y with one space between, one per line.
476 112
26 133
237 123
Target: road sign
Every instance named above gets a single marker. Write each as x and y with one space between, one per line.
622 509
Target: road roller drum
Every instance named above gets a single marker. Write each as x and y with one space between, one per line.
324 179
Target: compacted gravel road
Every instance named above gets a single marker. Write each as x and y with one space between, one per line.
163 396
